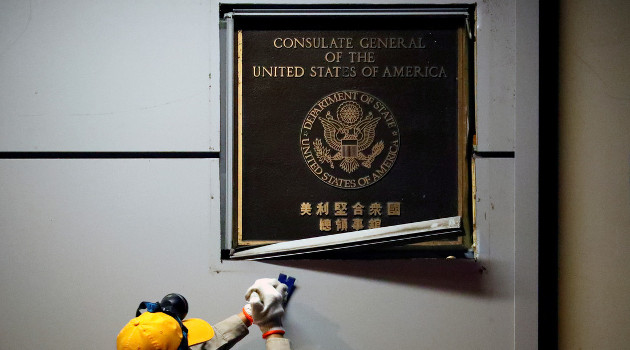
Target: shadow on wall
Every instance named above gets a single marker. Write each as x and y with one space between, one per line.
310 340
459 276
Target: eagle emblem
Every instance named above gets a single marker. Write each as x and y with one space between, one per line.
348 134
349 139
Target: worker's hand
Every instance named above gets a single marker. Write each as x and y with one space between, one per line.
266 299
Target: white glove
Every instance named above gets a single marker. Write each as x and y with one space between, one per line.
265 305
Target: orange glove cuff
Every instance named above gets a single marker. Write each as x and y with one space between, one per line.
273 331
248 317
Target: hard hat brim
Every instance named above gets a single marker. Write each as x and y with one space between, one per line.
199 331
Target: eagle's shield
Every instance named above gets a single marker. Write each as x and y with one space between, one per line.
349 148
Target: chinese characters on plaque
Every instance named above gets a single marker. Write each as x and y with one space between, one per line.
342 216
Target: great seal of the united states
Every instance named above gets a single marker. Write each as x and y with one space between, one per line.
349 139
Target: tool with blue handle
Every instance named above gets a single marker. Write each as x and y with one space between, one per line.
289 282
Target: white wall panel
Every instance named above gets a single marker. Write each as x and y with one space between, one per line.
105 76
526 164
84 241
496 75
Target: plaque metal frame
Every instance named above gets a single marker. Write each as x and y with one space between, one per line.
437 237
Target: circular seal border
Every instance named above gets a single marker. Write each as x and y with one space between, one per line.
315 165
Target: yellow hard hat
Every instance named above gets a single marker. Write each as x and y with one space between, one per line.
160 331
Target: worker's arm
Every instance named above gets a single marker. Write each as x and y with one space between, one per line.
278 342
226 333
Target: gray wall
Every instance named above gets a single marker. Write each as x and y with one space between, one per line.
84 240
594 165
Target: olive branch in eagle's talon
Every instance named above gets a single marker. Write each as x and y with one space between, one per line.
322 153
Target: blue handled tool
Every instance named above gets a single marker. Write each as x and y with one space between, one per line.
290 283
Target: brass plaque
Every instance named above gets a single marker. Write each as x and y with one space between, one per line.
357 124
